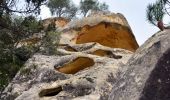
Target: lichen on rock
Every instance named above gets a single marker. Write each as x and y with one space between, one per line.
146 75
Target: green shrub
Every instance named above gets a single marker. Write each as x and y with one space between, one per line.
12 58
50 42
7 72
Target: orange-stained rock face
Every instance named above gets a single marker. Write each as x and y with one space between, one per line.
75 66
108 34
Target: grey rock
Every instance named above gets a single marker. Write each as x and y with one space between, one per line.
146 76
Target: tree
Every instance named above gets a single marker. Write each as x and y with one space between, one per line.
8 7
155 13
62 8
11 6
71 11
103 7
166 5
87 5
13 57
12 31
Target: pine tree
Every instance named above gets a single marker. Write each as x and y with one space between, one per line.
62 8
155 14
87 5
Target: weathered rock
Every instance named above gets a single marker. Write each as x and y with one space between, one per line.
92 71
95 19
38 69
110 35
147 73
36 38
59 22
71 76
111 30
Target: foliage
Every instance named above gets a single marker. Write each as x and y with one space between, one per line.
166 5
27 71
7 72
155 13
15 29
103 7
31 25
50 42
62 8
10 6
11 57
87 5
12 31
71 11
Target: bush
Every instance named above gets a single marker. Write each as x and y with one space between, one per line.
7 72
50 42
12 58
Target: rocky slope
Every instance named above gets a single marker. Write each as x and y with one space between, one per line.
94 70
86 73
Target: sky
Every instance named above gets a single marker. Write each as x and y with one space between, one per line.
133 10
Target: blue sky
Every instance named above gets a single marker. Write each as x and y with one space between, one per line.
133 10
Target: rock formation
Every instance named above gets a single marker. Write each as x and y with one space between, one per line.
111 30
147 74
97 69
111 35
70 75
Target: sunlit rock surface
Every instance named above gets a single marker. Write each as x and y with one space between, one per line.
87 73
108 29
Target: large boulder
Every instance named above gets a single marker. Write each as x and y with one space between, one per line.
146 76
111 30
84 71
108 34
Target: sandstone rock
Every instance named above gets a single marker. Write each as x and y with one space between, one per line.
110 35
147 73
69 76
89 70
110 30
96 19
36 38
59 22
